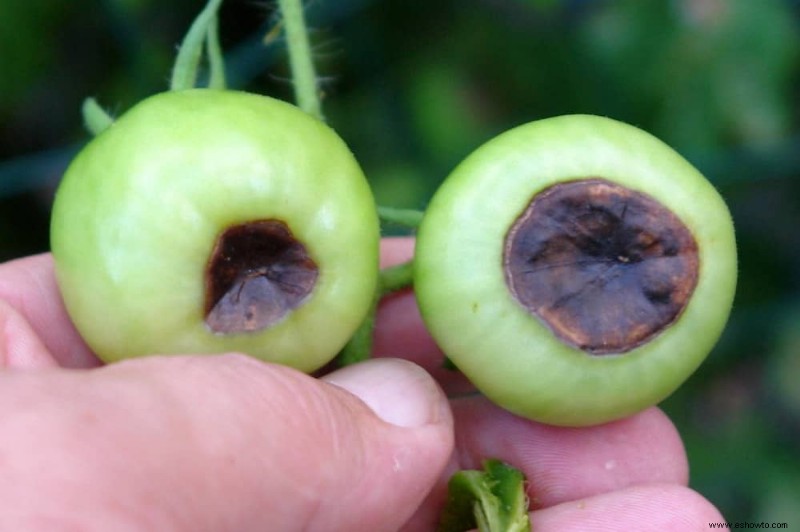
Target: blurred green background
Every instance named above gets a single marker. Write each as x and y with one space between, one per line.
414 86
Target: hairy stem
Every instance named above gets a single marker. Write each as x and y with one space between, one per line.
300 60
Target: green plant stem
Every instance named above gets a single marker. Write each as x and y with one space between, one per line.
359 347
391 279
184 73
300 60
95 118
405 217
216 60
395 278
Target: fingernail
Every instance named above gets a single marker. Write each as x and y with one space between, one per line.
398 391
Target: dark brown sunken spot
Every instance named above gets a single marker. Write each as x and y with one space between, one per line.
606 268
257 273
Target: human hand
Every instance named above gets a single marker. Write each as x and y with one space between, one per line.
229 443
630 474
201 442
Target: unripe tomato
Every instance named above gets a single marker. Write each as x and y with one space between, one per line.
206 221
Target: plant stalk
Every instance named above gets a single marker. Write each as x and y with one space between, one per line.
184 73
300 59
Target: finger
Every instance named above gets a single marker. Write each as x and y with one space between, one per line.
20 347
221 443
396 250
654 507
400 331
560 464
564 464
28 285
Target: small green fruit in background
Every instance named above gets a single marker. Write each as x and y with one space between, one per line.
576 269
206 221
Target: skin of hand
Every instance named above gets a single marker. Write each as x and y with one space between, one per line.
230 443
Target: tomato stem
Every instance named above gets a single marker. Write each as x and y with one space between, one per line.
391 279
216 60
184 73
406 217
395 278
95 117
300 60
359 347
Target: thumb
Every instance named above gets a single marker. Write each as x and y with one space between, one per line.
408 448
231 443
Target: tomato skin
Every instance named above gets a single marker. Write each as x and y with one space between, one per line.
139 210
510 355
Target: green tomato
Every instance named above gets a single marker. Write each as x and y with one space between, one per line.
207 221
576 269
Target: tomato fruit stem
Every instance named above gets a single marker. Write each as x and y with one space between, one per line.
410 218
300 60
391 279
95 118
204 27
395 278
216 60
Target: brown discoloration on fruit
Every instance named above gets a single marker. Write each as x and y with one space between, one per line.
256 274
606 268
